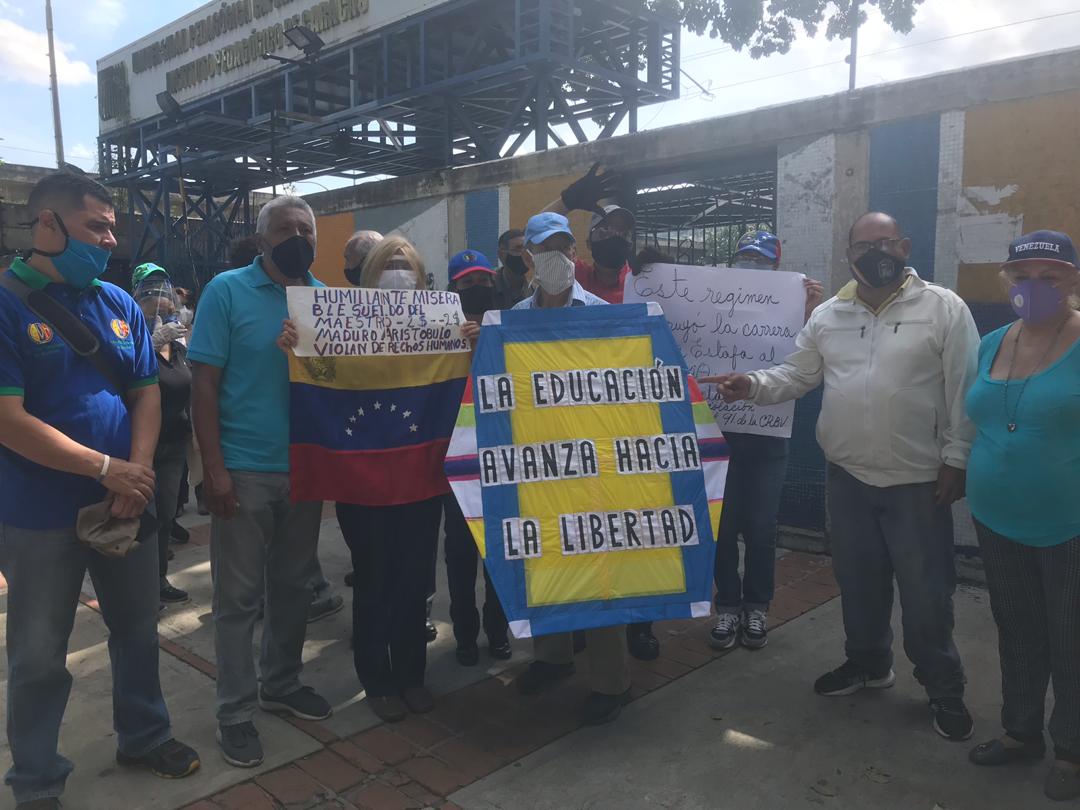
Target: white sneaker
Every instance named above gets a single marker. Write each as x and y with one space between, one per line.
725 633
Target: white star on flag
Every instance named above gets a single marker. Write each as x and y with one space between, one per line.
348 431
414 428
352 418
360 411
378 406
393 408
406 415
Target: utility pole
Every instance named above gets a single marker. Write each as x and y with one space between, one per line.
853 56
55 88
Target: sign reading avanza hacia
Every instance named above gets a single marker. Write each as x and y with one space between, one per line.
589 469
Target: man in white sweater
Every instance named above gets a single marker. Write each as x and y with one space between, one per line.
896 355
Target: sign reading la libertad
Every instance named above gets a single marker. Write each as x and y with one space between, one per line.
589 468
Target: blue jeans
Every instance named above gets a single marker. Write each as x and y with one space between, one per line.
44 571
755 480
879 534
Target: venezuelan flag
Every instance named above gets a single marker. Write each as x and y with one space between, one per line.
372 430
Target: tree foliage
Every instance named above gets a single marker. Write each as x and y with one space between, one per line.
765 27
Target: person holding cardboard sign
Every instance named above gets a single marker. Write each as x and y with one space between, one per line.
550 255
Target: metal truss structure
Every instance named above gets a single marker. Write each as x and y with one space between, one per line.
468 81
697 216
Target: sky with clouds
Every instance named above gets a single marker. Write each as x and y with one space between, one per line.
948 34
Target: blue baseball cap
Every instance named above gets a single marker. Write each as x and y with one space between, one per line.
468 261
1043 246
544 225
763 242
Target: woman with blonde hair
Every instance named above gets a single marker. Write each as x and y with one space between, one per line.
1021 486
394 265
393 547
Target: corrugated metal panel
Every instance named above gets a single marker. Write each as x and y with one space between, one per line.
904 181
482 222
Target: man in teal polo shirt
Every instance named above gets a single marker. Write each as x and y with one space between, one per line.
240 404
70 439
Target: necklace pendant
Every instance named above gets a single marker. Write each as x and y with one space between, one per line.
1012 427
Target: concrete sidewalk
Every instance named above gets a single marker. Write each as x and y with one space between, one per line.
735 730
748 731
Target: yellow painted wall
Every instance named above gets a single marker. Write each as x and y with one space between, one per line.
531 198
332 233
1031 144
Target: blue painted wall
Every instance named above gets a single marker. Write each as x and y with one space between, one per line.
904 180
482 222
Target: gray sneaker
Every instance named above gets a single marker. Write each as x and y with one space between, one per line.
321 608
725 633
240 745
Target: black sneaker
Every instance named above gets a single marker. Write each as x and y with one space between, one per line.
303 703
600 708
951 718
178 534
643 645
755 629
468 655
321 608
500 650
540 674
849 679
240 745
1062 781
170 595
170 760
51 803
432 631
995 752
725 633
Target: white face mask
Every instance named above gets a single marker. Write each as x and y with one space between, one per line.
553 271
396 278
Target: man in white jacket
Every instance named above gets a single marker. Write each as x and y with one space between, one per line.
897 355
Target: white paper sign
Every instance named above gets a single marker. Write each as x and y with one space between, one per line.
729 321
359 322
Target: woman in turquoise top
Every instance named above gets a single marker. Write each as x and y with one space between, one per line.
1023 487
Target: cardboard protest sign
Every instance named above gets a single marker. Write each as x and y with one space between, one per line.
589 469
375 385
725 321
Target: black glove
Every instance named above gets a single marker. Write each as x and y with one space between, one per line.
650 254
585 194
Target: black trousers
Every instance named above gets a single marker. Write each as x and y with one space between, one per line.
461 559
393 551
1035 599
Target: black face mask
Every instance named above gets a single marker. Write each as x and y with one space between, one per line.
477 300
611 252
353 274
878 268
516 264
293 257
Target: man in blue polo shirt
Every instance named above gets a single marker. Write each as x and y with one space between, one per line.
240 403
70 440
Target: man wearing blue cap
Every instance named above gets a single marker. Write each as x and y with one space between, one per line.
897 356
549 252
755 483
472 278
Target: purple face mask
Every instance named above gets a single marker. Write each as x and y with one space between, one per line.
1035 300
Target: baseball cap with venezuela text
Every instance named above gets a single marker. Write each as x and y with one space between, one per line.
1044 246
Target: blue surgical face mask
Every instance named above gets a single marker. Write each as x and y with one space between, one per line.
79 262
